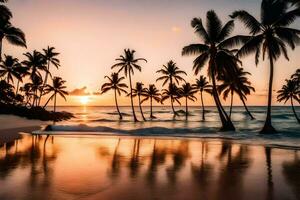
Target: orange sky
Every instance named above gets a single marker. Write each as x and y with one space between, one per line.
91 34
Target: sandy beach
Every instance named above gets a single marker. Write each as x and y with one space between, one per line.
11 126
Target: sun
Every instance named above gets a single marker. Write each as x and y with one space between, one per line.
84 100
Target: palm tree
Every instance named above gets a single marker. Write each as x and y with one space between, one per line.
57 87
239 85
171 73
50 58
8 69
5 13
12 34
187 91
172 94
202 85
296 76
214 50
35 85
36 63
23 72
269 36
290 91
152 93
139 91
27 90
127 63
115 83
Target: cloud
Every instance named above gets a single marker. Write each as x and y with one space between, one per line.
96 93
79 92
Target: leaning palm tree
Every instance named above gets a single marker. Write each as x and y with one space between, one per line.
171 93
170 74
202 85
57 87
152 93
270 36
239 85
12 34
188 92
50 57
139 91
115 83
290 91
127 63
8 69
214 50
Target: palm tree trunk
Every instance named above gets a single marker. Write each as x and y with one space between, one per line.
17 89
45 82
117 106
141 108
247 110
151 113
1 41
172 100
47 102
203 109
131 98
186 108
295 111
231 103
268 128
55 102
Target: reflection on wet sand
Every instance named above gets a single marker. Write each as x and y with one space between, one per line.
143 168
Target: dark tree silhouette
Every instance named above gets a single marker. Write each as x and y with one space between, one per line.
239 85
270 36
202 85
139 91
5 13
152 93
214 50
171 93
290 91
127 63
188 92
171 74
57 87
9 69
115 83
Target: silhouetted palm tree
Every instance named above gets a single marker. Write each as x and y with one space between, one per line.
214 50
23 71
171 74
152 93
296 76
269 36
239 85
5 13
115 83
57 87
12 34
8 69
202 85
36 64
188 92
139 91
290 91
35 85
50 57
127 63
172 94
28 93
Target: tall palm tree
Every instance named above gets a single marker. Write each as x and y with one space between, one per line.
270 36
127 63
172 94
36 85
290 91
57 87
139 91
215 50
170 74
152 93
187 91
115 83
50 57
36 63
239 85
13 35
8 69
202 85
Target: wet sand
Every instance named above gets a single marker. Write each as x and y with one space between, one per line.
108 167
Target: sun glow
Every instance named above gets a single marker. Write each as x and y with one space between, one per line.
84 100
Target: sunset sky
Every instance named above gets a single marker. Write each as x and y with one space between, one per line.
90 34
